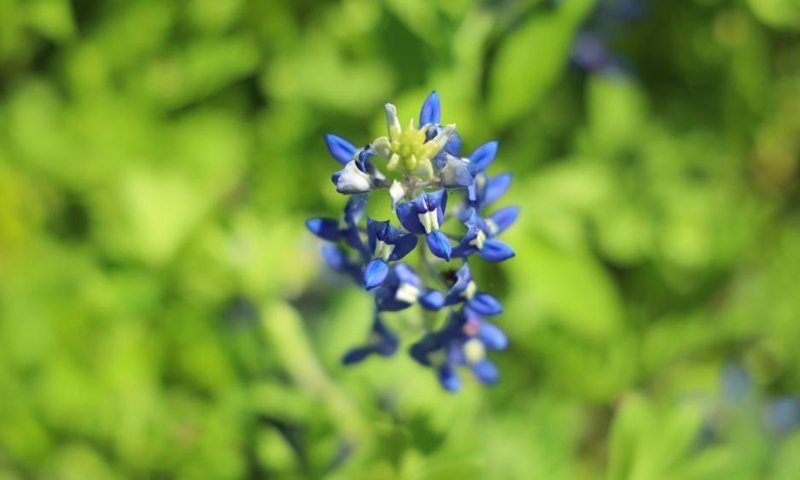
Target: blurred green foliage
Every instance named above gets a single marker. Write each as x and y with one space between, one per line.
163 313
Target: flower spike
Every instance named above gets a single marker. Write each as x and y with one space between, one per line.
420 168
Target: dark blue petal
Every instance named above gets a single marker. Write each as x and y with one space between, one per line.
439 244
485 304
373 227
486 371
354 209
431 110
492 336
335 257
432 200
496 187
431 300
408 214
448 378
341 149
324 228
387 341
405 243
363 162
465 247
357 355
495 251
463 279
503 218
421 350
483 156
375 273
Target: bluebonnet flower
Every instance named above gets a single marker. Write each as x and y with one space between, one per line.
481 232
403 288
420 167
462 342
388 243
423 216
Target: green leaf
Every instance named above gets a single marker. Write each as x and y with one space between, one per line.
531 59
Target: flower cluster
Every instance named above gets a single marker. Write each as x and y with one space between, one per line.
422 172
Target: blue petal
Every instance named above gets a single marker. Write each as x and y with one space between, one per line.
495 251
432 200
485 304
324 228
464 247
439 244
387 341
491 336
783 414
403 246
341 149
431 110
483 156
375 273
496 187
431 300
406 274
335 257
504 218
448 378
357 355
486 371
453 146
363 159
463 278
373 228
354 209
407 213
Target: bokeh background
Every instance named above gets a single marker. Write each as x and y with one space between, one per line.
165 315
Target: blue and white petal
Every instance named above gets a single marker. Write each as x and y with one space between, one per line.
499 221
456 173
351 180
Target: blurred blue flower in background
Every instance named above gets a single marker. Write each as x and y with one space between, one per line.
592 48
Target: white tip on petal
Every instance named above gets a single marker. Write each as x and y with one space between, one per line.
383 147
392 123
444 136
456 173
397 191
353 180
407 293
